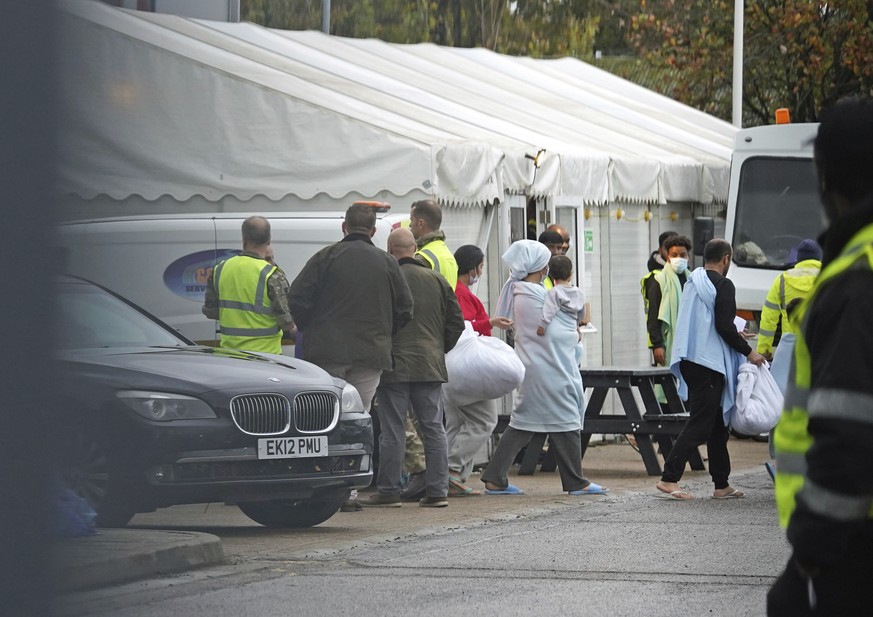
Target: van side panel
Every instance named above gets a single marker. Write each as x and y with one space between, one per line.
162 263
131 258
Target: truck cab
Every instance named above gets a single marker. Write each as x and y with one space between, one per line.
773 205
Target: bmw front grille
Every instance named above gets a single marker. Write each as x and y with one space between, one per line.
316 412
261 414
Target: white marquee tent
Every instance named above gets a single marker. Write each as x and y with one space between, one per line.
166 114
163 105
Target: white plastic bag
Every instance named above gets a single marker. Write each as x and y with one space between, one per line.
759 401
481 368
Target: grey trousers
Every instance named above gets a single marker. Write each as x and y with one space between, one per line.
468 428
568 452
363 378
395 400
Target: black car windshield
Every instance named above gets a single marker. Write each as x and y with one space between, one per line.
91 318
778 206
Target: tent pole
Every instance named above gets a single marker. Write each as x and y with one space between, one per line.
738 65
325 16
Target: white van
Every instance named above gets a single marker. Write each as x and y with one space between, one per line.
162 262
773 206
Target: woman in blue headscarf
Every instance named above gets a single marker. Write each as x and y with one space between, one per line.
551 398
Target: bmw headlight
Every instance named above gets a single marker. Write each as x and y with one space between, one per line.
352 400
165 406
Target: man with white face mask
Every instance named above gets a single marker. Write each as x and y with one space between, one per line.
664 298
705 359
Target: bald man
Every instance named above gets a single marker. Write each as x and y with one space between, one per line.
419 352
565 235
249 296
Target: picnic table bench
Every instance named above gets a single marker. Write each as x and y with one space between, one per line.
655 422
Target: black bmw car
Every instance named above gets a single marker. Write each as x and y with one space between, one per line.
151 420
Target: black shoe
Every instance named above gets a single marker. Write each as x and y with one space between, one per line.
433 502
415 488
383 501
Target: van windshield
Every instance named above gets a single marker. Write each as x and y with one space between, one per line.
778 206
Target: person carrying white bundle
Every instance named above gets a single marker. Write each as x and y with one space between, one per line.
470 417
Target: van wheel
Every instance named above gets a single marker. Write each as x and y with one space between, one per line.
88 473
290 513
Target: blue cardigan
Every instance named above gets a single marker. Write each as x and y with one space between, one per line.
697 340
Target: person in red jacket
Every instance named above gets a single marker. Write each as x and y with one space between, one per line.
468 426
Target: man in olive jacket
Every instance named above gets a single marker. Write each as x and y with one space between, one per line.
349 300
419 372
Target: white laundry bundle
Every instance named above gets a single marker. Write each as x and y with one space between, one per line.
759 400
481 368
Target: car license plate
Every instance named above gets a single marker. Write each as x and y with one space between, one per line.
292 447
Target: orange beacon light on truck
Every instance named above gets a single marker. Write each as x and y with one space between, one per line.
783 116
378 206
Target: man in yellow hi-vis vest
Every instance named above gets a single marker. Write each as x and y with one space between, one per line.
425 219
249 296
795 282
657 260
824 440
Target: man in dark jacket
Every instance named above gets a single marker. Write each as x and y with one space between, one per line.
349 300
419 372
824 440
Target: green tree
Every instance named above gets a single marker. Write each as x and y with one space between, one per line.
544 28
539 28
799 54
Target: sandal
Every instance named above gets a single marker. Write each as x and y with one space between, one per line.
509 489
457 488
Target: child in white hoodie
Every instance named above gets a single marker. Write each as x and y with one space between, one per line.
564 296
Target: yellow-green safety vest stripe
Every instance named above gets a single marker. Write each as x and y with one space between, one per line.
246 319
644 290
441 260
791 437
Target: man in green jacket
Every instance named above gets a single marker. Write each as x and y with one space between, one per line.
425 219
419 371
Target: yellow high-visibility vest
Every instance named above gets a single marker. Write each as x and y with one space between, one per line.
791 437
795 283
441 260
245 316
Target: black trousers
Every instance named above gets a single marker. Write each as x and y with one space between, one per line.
705 425
841 590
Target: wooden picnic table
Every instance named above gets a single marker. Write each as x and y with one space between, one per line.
655 423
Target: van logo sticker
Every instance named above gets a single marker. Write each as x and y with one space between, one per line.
186 277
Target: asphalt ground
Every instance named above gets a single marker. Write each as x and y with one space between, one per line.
186 537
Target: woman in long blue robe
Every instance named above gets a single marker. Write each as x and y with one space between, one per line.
552 398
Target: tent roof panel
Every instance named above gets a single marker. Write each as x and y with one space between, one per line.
331 115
